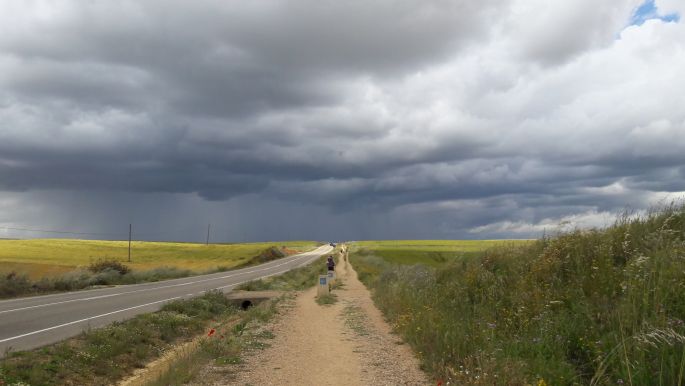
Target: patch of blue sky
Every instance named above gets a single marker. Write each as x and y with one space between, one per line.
648 11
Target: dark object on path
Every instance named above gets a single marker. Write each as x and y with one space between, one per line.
331 263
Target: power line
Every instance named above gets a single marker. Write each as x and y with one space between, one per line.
130 231
123 235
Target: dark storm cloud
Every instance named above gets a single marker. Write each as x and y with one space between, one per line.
438 118
226 59
157 59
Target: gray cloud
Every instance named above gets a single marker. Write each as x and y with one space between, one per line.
553 33
439 119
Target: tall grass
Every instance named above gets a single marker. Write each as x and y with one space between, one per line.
598 307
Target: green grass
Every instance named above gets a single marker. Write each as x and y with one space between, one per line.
430 252
356 319
600 307
296 279
226 346
327 299
40 258
381 255
106 355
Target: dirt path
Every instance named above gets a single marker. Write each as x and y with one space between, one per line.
347 343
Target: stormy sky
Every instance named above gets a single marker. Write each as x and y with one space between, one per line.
318 119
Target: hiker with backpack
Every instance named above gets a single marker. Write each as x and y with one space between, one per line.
331 263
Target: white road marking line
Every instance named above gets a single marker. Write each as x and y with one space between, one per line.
111 295
156 288
269 275
83 320
146 304
62 302
245 281
315 251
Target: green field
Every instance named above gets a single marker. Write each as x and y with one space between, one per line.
39 258
429 252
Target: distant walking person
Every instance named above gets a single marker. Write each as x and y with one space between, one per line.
331 263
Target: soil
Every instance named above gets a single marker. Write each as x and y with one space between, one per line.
345 343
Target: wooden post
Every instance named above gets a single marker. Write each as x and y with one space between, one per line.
130 229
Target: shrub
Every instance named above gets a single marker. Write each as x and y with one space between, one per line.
14 284
156 274
269 254
212 303
108 265
70 281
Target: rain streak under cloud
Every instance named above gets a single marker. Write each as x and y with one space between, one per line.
286 119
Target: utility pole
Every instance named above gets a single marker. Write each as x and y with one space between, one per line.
209 226
130 229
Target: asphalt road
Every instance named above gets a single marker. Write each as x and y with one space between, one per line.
27 323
